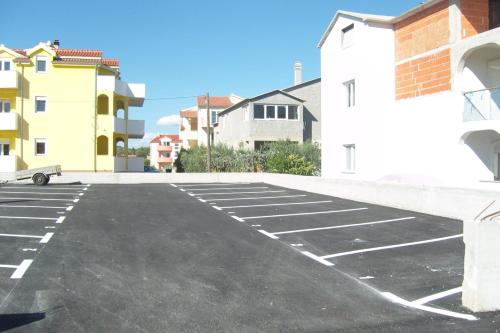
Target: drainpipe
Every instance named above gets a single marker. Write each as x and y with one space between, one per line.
95 119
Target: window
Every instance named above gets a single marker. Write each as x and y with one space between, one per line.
494 7
279 112
40 147
40 104
213 117
258 112
41 64
4 106
351 93
350 158
5 65
292 112
348 36
4 148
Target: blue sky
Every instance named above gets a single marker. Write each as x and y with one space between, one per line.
187 48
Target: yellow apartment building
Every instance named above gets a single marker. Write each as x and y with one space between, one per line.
67 107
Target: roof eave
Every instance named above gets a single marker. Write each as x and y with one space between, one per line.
415 10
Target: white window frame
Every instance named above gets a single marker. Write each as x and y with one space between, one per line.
348 32
350 93
4 142
40 140
42 58
276 112
41 98
3 61
212 112
4 102
350 158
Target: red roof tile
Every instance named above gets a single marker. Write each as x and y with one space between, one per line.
78 53
173 137
189 114
215 101
84 61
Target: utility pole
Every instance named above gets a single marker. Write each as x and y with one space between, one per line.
209 155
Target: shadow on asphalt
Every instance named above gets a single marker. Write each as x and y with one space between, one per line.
10 321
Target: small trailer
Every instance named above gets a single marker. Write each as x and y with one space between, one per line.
40 176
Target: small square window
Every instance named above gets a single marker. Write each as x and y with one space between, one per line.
4 149
292 112
270 112
40 147
281 112
258 112
6 66
41 64
40 104
4 106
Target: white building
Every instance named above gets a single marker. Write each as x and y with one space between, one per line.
164 150
413 98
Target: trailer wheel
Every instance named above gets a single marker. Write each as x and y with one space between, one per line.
39 179
47 179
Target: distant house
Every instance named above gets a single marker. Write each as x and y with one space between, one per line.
164 150
188 127
292 113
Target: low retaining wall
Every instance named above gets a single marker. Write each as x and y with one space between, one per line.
459 203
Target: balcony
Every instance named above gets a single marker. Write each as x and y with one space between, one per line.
164 149
482 105
9 121
135 164
136 92
135 128
8 163
165 160
8 80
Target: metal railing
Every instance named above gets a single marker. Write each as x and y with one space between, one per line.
482 104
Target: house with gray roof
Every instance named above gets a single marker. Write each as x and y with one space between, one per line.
293 113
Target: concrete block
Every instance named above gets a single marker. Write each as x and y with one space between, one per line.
481 286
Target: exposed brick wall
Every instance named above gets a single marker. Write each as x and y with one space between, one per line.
424 31
475 17
424 76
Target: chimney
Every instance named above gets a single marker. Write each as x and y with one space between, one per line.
56 43
298 74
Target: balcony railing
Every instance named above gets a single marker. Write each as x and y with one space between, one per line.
135 127
136 92
482 105
8 79
9 121
165 160
164 149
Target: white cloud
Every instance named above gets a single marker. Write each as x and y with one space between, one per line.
144 142
169 120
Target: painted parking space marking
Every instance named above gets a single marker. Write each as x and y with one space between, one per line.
41 189
343 226
28 218
36 199
39 193
268 234
302 214
437 296
316 258
280 191
69 208
19 270
43 239
229 188
380 248
43 207
237 218
278 204
257 198
398 300
210 184
60 219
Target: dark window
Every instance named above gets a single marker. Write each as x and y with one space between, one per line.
41 65
494 14
348 35
6 66
6 149
40 148
292 112
281 112
40 105
270 112
258 112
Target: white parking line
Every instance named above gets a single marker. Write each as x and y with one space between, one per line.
268 234
27 218
391 246
199 194
173 185
46 207
76 200
69 208
398 300
40 189
278 204
36 199
343 226
300 214
19 270
60 219
436 296
211 184
318 259
43 239
38 193
257 198
237 218
229 188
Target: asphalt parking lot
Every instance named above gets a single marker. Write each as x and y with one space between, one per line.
224 258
